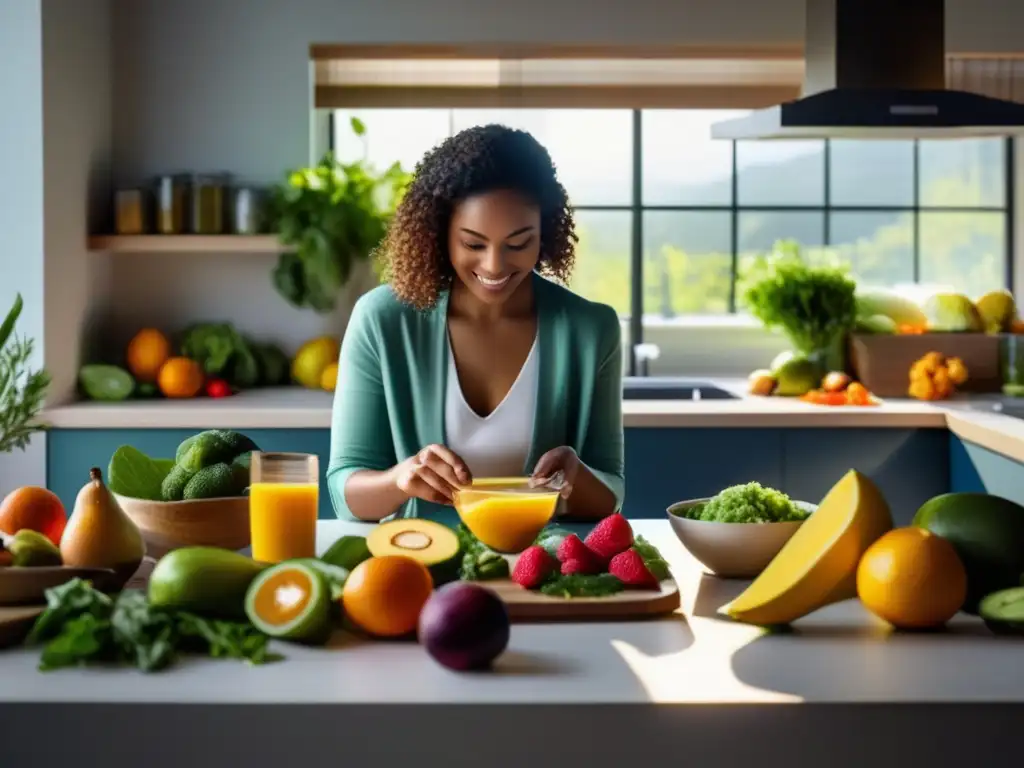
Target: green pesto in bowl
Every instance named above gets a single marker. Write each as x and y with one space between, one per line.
747 503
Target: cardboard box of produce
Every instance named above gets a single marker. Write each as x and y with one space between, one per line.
881 362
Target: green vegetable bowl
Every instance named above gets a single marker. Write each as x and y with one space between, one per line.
167 525
731 550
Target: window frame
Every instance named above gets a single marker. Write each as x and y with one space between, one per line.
717 337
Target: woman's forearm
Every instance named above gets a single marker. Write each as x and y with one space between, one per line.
372 495
590 499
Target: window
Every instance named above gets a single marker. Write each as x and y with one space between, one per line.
668 217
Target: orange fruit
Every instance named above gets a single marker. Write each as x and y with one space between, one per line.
912 578
180 377
147 352
384 595
36 509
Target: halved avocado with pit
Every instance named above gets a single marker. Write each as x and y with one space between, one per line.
433 544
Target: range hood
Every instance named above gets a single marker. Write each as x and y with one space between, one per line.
876 69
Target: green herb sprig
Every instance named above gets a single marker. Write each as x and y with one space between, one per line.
22 390
82 625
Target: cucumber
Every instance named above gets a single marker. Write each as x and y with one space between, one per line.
1003 611
106 382
347 552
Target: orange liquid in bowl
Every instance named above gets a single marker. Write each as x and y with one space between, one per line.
505 514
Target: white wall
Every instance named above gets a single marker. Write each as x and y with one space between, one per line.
77 125
21 199
221 85
55 136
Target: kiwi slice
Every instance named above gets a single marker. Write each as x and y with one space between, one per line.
1003 611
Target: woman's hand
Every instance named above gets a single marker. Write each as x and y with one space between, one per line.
562 459
433 474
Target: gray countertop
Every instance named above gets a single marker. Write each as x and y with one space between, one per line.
839 656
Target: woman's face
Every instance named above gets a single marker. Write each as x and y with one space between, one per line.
494 243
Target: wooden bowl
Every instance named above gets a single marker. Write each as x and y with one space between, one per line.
732 550
167 525
27 586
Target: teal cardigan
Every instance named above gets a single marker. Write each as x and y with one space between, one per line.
392 374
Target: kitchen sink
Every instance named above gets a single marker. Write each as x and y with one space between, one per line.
667 388
1005 406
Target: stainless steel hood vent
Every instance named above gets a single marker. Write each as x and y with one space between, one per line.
876 69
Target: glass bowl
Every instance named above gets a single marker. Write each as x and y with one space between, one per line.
506 513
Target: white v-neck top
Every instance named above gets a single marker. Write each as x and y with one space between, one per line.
496 445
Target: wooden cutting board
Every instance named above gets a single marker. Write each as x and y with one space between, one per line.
16 621
525 605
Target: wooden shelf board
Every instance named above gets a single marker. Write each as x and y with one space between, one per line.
186 244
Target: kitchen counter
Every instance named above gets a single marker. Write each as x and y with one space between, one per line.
924 691
295 408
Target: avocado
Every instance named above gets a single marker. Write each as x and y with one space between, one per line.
988 534
209 581
173 486
1003 611
347 552
236 442
213 446
240 467
291 601
214 482
433 544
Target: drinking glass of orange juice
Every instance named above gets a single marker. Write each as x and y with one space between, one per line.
284 496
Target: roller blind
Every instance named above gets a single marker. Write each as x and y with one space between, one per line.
553 77
998 77
566 77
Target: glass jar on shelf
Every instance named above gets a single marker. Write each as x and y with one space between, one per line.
208 204
171 204
131 212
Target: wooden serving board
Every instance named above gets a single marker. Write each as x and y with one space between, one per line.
525 605
16 621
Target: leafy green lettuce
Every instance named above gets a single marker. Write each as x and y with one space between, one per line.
133 474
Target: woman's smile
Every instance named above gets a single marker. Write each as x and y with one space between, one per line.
492 283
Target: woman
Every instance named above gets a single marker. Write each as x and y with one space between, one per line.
469 362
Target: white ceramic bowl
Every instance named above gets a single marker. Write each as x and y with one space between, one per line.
732 550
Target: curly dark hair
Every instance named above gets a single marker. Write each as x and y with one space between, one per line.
483 159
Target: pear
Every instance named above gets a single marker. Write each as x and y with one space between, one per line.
99 534
30 549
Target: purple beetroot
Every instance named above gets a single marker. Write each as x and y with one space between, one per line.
464 626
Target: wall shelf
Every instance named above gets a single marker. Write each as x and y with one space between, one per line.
186 244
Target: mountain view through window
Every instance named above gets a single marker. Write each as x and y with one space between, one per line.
895 212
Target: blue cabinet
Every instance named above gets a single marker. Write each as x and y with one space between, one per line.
662 465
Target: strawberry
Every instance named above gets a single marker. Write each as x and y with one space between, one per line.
573 548
610 537
628 567
533 567
587 566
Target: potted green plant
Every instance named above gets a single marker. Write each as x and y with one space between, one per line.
333 215
22 390
814 306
